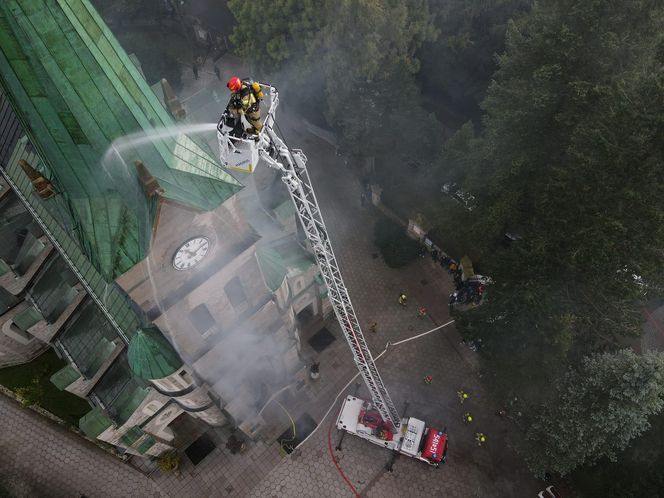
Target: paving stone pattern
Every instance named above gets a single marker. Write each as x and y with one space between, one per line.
42 459
221 474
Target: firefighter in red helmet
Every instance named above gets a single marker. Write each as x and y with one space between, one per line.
245 100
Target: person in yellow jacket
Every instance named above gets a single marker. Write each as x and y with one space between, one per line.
246 97
403 300
480 438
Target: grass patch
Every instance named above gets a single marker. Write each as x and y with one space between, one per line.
63 404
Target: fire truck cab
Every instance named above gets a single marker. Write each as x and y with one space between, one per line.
413 438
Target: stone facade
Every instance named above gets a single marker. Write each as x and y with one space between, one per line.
228 289
221 315
87 248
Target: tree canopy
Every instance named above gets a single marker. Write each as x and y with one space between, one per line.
571 156
353 60
573 120
457 67
269 33
562 146
598 409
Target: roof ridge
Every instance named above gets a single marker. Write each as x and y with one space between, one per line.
76 90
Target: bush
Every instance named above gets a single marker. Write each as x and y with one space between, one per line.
170 461
21 380
395 246
32 394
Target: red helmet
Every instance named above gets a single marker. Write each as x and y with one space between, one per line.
234 84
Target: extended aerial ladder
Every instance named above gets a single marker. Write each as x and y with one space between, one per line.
242 151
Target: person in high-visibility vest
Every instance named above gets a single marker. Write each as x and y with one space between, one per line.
480 438
467 418
463 395
403 300
245 100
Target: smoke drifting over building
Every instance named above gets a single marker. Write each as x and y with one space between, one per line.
170 288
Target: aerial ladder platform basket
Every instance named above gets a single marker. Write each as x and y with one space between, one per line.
238 149
377 421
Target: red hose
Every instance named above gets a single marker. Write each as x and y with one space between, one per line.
329 446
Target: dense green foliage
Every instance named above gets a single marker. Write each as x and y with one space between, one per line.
33 379
637 471
567 154
458 65
395 246
597 410
571 156
31 394
353 61
270 33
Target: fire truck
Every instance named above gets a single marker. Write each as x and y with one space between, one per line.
412 438
378 420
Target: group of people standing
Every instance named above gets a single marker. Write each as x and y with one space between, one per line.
466 291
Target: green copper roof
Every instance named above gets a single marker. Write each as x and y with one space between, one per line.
88 338
297 260
64 377
113 300
277 263
76 91
151 356
7 299
131 436
27 318
128 401
284 210
94 422
272 266
147 443
120 391
4 267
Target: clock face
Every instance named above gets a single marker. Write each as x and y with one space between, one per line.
191 253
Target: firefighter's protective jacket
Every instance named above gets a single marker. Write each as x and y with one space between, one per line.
247 98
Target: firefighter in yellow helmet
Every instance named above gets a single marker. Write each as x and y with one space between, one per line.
246 97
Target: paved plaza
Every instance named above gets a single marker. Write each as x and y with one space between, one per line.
50 461
43 459
471 471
